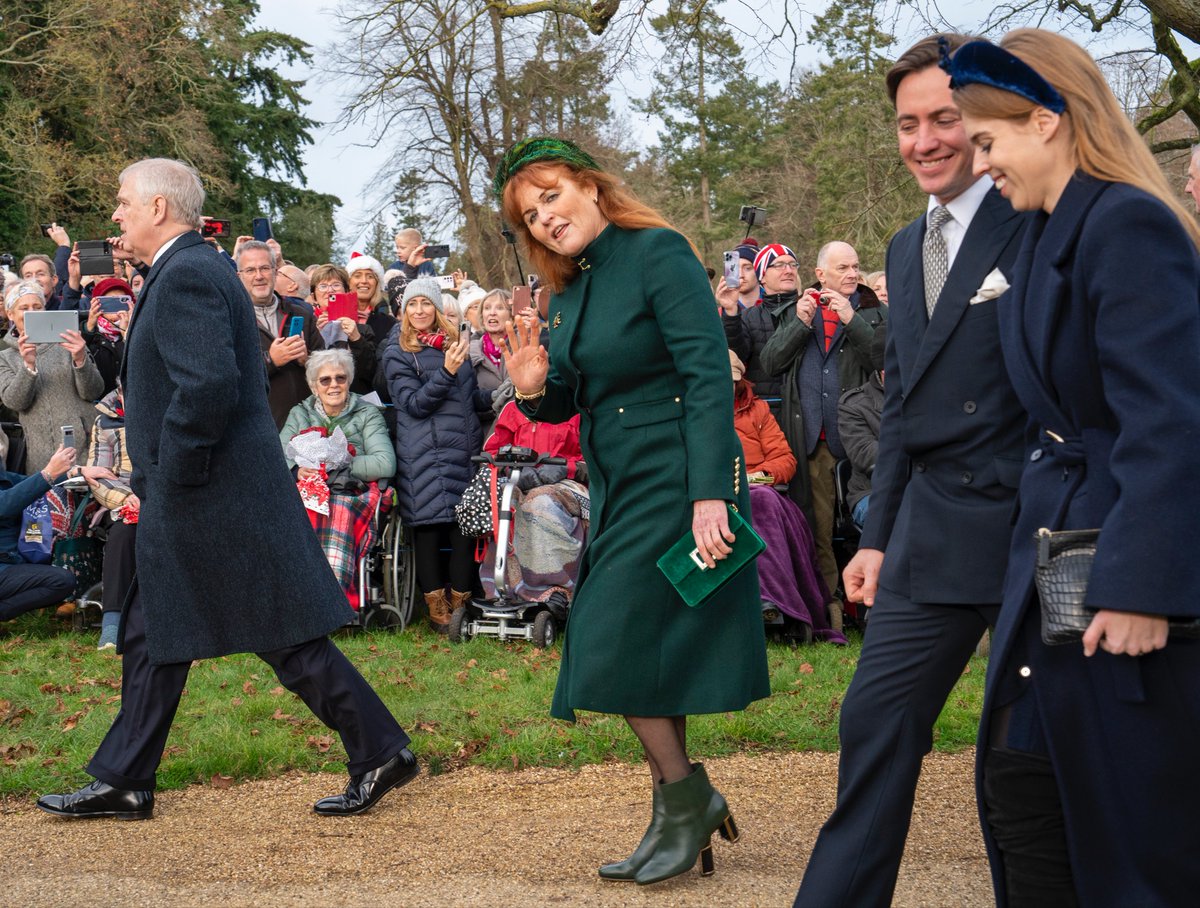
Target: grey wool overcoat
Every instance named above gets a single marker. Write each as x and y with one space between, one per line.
227 561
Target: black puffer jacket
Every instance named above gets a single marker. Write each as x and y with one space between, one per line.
748 332
437 430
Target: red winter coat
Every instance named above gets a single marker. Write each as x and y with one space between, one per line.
556 439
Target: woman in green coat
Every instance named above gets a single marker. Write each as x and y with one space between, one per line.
637 349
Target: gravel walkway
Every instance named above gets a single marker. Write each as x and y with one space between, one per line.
473 837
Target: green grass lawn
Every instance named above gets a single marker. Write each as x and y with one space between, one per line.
481 702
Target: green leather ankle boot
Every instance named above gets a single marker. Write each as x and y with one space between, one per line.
692 811
628 868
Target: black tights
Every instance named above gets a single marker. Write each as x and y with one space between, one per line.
428 541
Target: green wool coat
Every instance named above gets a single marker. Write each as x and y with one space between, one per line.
637 349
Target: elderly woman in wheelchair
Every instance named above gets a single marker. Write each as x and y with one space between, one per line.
339 448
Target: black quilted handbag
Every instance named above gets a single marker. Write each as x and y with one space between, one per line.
1064 564
474 512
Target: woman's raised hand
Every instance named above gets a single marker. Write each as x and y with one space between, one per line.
526 359
456 354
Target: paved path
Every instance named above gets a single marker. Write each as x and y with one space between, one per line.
473 837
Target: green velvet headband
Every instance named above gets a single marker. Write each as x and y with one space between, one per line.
539 148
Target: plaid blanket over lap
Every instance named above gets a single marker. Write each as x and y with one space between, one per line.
348 531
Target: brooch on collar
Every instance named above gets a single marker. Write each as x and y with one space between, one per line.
557 320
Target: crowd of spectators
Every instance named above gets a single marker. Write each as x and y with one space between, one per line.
412 373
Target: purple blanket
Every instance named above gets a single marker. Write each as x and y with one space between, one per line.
787 568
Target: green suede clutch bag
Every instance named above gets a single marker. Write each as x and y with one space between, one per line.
696 582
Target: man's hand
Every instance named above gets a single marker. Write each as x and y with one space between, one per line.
727 298
806 307
273 245
121 250
861 577
284 350
59 235
459 277
237 244
1125 633
838 305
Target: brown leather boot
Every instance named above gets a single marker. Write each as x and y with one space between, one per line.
836 608
439 610
458 599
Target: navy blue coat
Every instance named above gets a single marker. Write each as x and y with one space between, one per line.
1111 365
227 560
950 438
437 430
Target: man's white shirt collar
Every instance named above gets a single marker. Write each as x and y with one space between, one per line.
962 210
164 247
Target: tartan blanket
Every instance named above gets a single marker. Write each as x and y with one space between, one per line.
348 531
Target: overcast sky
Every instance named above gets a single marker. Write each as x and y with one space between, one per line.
339 163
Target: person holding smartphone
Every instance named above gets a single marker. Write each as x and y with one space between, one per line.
48 385
437 401
108 316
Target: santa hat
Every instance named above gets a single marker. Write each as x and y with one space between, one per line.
360 262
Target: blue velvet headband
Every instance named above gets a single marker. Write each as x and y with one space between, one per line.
984 63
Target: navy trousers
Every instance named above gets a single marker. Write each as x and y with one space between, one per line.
912 656
316 671
25 587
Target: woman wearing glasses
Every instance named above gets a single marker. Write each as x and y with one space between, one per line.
358 337
347 530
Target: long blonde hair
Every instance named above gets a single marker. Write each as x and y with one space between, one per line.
618 205
408 334
1105 144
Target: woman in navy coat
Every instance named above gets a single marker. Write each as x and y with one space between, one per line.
1088 750
437 433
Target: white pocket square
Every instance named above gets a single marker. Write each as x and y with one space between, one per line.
993 285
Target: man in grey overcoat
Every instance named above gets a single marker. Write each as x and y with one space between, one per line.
227 561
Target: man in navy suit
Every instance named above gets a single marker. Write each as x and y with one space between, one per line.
226 559
932 556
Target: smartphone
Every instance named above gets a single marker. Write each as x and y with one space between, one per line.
68 436
446 281
522 298
261 228
342 305
95 257
733 269
296 326
216 227
110 304
45 229
437 251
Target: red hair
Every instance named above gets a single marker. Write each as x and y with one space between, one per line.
618 205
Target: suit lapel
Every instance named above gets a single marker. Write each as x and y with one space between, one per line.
990 231
906 328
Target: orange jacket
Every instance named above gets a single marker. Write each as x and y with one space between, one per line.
764 447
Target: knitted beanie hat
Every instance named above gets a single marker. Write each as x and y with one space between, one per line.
736 366
768 254
426 287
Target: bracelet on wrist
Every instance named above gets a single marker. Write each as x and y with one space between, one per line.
536 395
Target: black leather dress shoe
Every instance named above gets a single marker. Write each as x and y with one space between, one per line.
363 791
100 800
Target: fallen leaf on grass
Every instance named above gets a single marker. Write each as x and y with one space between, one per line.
11 753
516 762
254 732
321 742
278 691
221 782
236 701
805 668
72 720
281 715
426 726
249 688
472 663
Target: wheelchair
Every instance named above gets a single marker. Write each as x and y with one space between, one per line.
507 617
387 573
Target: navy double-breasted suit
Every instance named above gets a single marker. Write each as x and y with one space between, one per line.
942 497
1101 336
